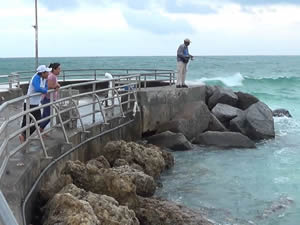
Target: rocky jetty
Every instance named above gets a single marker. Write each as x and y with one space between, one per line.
223 118
116 188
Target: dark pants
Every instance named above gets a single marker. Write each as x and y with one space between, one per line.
36 114
46 112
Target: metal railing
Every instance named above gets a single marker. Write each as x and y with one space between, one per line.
102 106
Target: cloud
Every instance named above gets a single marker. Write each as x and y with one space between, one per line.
264 2
59 4
172 6
156 23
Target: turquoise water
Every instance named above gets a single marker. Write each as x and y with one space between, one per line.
234 186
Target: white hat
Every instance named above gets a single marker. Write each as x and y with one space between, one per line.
43 68
187 40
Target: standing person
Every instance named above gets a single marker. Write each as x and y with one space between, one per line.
37 84
52 84
183 58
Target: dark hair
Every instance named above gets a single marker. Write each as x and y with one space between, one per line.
54 66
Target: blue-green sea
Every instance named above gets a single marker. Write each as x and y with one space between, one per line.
237 186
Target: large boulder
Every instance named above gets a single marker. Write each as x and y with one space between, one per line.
75 206
281 113
154 211
225 113
224 139
170 140
215 124
222 95
259 122
245 100
149 158
189 122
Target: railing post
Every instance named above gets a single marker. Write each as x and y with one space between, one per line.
155 77
27 108
113 97
95 75
10 80
64 76
6 215
94 102
51 108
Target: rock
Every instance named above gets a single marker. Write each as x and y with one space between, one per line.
281 113
173 141
66 209
149 158
145 184
245 100
222 95
103 181
238 124
47 191
122 162
169 159
225 113
190 122
215 124
100 162
161 212
76 206
259 122
224 139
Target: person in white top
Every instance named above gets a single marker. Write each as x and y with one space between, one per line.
52 84
37 84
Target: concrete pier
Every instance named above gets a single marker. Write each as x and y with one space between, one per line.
157 105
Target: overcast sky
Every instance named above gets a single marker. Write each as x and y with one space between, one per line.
150 27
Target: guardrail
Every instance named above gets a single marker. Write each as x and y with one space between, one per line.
119 95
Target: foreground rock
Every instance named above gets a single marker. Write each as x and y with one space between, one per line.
173 141
161 212
222 95
224 139
75 206
122 183
148 159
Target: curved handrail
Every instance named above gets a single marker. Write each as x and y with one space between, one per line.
119 81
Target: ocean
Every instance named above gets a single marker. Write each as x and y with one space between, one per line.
237 186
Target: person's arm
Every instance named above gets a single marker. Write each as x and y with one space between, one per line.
180 52
36 83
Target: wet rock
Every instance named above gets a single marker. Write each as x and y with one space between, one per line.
259 122
281 113
224 139
173 141
161 212
150 158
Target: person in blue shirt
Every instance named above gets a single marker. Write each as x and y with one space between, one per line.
183 57
37 84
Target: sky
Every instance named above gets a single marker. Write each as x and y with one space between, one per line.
150 27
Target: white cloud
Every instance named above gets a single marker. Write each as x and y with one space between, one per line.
151 27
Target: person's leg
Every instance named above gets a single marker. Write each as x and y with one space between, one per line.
46 113
179 74
37 115
184 75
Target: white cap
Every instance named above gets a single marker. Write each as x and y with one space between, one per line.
43 68
187 40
